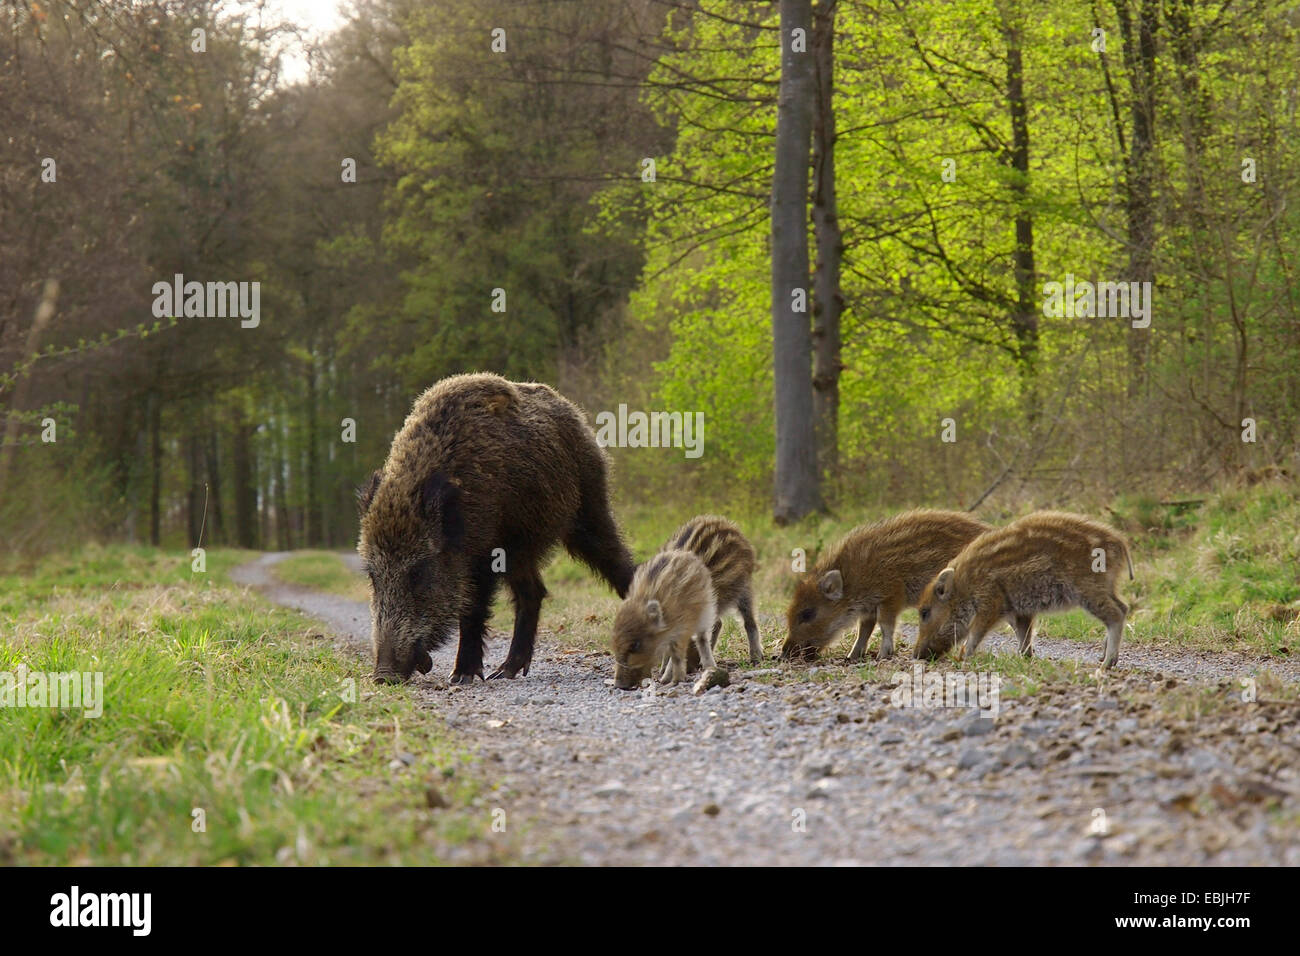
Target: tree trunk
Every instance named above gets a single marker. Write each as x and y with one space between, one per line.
135 477
212 463
197 504
1025 319
796 484
314 536
246 530
283 529
155 469
828 300
1139 181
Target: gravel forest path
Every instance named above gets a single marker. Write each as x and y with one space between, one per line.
1160 762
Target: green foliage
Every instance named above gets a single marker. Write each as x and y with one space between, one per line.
522 171
928 280
497 158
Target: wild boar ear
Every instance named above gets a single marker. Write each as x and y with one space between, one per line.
831 584
943 584
655 613
366 493
440 501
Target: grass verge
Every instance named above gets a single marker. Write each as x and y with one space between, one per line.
322 571
229 734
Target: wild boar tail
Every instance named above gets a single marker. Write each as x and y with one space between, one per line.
1129 558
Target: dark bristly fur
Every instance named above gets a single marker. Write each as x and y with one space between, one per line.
1044 562
871 575
480 464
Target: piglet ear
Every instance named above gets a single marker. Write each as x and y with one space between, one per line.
366 493
943 584
441 502
831 584
655 613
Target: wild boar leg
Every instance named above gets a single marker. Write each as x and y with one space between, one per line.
983 623
707 662
693 652
886 637
1111 612
528 591
866 625
676 664
473 625
1024 626
887 613
746 608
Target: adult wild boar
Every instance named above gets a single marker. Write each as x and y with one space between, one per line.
484 478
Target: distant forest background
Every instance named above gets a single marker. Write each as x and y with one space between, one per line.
962 153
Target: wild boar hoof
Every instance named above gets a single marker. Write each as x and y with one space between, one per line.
463 678
509 670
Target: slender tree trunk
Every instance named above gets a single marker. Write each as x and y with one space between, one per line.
283 524
196 504
828 300
246 527
1139 181
266 513
212 464
155 469
1025 319
314 534
796 485
135 476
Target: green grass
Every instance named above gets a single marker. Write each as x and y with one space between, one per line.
1222 575
213 702
116 568
322 571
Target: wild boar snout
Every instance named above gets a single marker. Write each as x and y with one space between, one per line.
628 678
393 667
800 650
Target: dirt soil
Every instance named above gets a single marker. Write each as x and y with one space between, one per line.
1161 762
